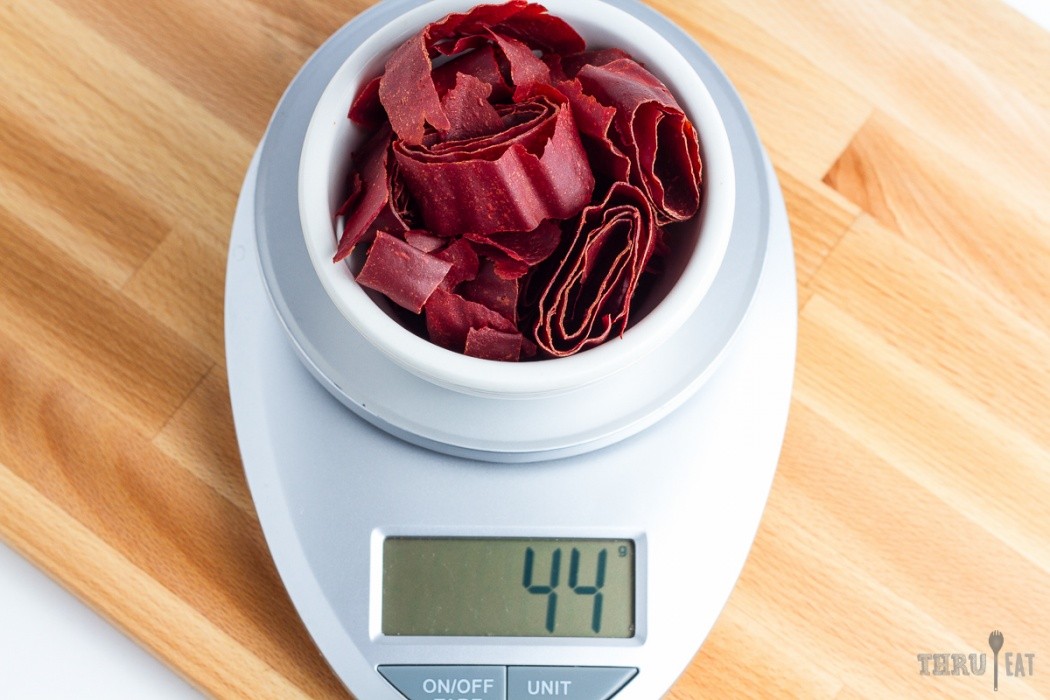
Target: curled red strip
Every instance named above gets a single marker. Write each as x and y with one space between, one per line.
587 299
651 128
509 181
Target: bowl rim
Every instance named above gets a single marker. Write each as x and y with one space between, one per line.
535 377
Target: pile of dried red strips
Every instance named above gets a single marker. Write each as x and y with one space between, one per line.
517 192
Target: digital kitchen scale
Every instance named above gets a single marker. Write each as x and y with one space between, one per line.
440 546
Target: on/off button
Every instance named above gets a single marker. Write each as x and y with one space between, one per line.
566 682
448 682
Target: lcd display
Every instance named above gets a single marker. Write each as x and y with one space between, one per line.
508 587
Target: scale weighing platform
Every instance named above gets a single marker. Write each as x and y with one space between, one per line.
440 546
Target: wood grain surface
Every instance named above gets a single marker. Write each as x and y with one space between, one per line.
911 511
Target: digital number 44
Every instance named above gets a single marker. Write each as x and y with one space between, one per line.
550 588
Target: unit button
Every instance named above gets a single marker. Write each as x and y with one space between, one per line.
566 682
448 682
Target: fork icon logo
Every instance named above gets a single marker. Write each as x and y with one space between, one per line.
995 641
1015 664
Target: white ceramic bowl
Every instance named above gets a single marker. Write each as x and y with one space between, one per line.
698 246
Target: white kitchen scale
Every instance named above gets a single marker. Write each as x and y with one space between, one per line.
440 546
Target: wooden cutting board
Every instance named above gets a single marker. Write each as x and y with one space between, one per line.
911 512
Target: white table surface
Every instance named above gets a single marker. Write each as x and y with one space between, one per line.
52 646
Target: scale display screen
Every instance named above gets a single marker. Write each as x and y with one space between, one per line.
508 587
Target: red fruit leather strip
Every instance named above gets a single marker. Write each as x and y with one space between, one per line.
464 260
542 174
594 120
450 317
527 22
542 31
492 290
408 94
652 130
402 210
424 241
366 109
354 189
571 65
588 297
522 123
371 205
529 247
490 344
507 267
453 33
480 63
406 275
371 198
469 112
407 89
526 70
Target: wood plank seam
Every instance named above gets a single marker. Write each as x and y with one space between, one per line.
189 395
828 254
